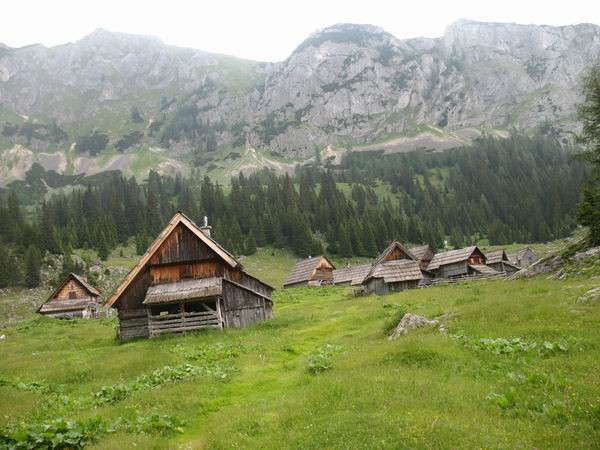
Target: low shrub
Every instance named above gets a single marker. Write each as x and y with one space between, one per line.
322 360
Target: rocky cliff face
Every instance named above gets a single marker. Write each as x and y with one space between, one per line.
346 85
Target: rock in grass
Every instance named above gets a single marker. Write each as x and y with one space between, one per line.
410 321
591 296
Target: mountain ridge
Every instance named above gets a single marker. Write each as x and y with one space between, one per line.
347 85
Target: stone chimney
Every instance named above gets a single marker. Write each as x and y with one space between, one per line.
206 227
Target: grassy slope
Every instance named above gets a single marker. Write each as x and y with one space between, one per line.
422 390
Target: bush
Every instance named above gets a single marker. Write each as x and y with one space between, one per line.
322 360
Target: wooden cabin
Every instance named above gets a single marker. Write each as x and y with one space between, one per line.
186 281
499 262
458 263
74 297
352 275
310 272
424 254
523 258
395 269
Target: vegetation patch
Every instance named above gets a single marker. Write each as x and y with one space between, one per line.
322 360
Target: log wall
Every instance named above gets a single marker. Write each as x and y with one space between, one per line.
242 307
72 286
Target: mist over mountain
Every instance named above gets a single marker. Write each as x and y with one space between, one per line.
118 101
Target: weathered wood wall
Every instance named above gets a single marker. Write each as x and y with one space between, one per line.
242 307
172 273
397 254
133 324
181 245
452 270
72 286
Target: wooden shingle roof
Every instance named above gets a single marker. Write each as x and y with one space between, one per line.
304 270
420 251
178 218
397 271
386 253
483 269
352 274
184 290
73 276
496 257
451 257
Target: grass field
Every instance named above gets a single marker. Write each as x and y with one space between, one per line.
322 374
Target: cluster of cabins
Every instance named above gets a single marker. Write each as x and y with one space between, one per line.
186 281
398 268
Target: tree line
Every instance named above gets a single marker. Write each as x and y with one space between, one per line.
516 190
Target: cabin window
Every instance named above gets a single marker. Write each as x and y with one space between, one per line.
72 294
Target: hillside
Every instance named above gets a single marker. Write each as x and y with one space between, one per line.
113 101
323 374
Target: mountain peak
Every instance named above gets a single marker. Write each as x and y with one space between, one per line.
350 33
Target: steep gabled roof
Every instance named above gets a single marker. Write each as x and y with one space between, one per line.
452 256
420 251
496 257
73 276
352 274
178 218
84 284
386 253
304 270
396 271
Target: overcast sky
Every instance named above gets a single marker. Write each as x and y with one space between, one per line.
261 29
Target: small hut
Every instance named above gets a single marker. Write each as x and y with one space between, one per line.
186 281
310 272
499 261
457 263
523 258
424 254
352 275
74 297
389 276
395 269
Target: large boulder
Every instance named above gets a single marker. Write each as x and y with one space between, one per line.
410 321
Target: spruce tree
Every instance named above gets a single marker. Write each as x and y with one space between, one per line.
33 264
250 245
103 250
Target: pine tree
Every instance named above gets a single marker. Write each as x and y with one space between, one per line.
345 245
141 243
250 245
33 264
6 269
103 250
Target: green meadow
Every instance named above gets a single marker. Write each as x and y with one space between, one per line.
518 368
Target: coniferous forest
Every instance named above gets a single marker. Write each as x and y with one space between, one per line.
522 189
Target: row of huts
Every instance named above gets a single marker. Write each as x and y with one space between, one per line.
187 281
398 268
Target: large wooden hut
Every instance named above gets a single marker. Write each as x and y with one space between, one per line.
186 281
395 269
424 254
74 297
459 263
499 261
352 275
310 272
